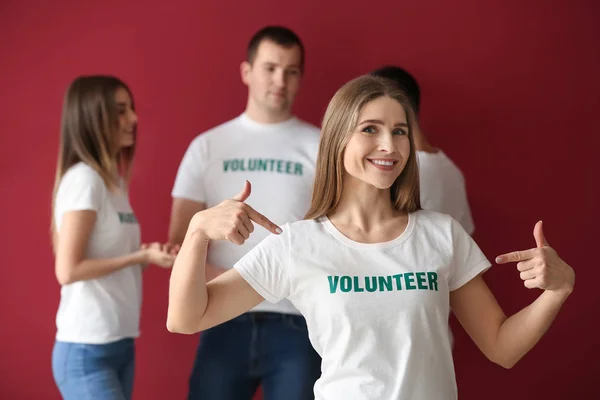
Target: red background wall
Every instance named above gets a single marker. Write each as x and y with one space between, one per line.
509 91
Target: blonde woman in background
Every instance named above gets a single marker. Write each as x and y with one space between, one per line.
96 236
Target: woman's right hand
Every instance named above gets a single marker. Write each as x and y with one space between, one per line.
231 220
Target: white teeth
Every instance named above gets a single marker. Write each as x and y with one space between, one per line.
381 162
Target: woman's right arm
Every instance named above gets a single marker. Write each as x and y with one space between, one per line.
71 264
195 305
182 212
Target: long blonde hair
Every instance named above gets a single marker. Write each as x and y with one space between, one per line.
89 132
340 120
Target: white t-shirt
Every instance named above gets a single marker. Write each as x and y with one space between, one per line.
279 161
105 309
377 314
443 188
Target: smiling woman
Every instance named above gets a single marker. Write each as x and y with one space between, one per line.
373 274
371 125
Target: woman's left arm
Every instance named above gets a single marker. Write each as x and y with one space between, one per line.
506 340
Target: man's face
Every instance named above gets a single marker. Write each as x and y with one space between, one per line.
273 79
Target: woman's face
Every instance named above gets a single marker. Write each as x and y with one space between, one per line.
127 118
379 146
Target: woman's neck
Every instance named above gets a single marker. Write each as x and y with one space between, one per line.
366 214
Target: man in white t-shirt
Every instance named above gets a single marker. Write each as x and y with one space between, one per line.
441 182
267 145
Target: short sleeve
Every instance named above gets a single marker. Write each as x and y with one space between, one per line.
468 260
189 182
265 267
81 188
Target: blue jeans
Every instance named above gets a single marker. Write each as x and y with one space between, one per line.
256 348
94 371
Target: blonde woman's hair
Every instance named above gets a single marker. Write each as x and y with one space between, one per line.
339 123
89 132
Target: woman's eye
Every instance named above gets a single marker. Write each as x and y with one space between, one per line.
369 129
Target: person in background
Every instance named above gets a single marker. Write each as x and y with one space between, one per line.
269 344
96 239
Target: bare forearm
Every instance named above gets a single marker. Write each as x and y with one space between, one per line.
187 288
97 268
520 332
177 235
212 271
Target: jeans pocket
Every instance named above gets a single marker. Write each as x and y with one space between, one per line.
60 357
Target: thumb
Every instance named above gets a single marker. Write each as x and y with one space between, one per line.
538 234
244 194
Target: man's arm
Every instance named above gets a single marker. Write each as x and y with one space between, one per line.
182 212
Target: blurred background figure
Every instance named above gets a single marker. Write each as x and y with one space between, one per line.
277 152
96 236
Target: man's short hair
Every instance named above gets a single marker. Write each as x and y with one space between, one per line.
277 34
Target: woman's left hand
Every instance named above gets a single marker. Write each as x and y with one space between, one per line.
541 267
168 249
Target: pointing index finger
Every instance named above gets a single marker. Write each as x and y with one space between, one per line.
263 221
515 256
